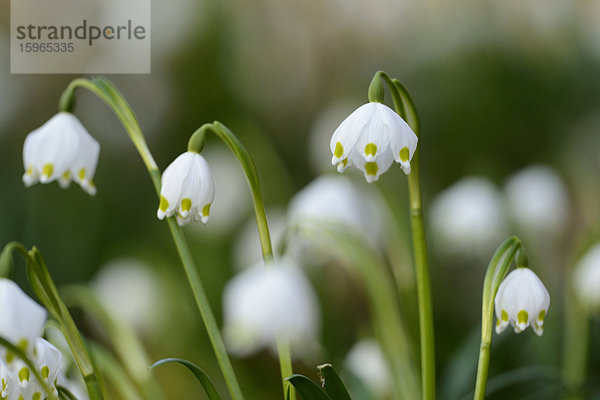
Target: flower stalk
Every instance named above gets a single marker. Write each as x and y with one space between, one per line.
494 276
117 103
196 143
405 107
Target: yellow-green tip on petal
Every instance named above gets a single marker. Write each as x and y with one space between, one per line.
186 205
404 154
371 149
371 168
339 150
206 210
47 170
164 204
522 317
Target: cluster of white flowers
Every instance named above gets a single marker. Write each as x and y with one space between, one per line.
522 300
62 150
469 217
21 324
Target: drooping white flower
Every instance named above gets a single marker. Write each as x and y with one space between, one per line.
586 279
187 189
467 219
522 300
127 288
21 318
538 201
371 138
366 361
264 302
62 150
336 201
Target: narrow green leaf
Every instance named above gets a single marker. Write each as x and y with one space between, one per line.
204 380
333 384
65 394
307 388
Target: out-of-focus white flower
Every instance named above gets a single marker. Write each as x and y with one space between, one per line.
522 300
586 279
371 138
467 219
337 202
366 361
538 200
61 149
247 249
187 189
128 289
264 302
22 318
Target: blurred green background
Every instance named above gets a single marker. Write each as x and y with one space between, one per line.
499 85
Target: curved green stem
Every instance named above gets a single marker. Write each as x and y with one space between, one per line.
115 100
196 143
496 271
46 291
405 107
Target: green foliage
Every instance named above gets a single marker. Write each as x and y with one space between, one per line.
202 377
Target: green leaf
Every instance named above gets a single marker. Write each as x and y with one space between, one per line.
333 384
307 388
65 394
204 380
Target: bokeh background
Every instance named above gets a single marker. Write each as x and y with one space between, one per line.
499 85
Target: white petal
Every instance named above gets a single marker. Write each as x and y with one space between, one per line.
172 182
21 318
373 138
373 169
347 134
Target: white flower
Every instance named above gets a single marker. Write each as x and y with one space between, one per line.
366 361
127 288
264 302
467 219
187 189
337 202
538 200
586 279
21 318
521 300
61 149
371 138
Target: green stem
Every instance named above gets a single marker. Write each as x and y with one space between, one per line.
405 107
115 100
576 344
246 160
496 272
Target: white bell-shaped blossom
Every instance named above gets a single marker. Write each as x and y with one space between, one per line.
371 138
522 300
62 150
337 202
127 288
467 219
22 319
187 189
538 201
366 361
586 279
263 303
